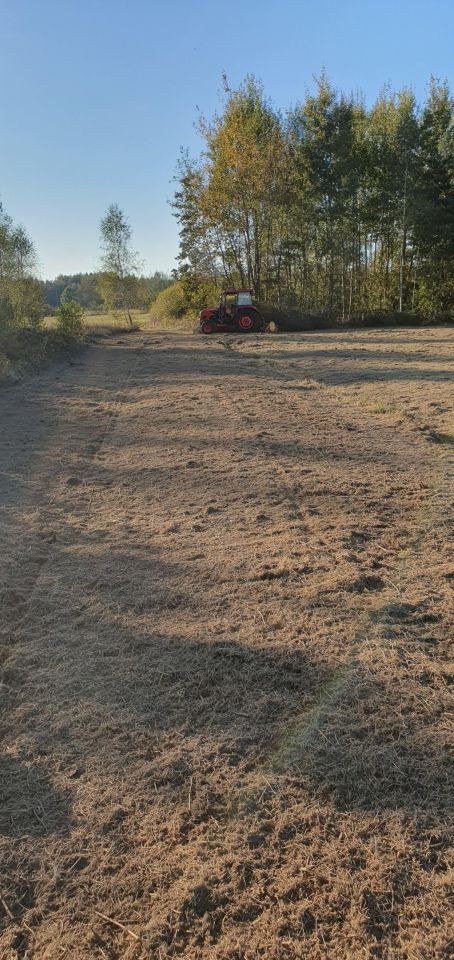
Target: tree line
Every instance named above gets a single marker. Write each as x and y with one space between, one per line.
86 289
119 286
330 206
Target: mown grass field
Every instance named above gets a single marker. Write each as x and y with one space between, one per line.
226 642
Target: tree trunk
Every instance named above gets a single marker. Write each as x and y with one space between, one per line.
404 242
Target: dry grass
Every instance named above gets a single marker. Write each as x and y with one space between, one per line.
185 324
102 324
227 585
24 349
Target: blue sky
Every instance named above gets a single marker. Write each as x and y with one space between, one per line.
97 96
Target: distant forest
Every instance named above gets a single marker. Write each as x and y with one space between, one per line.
330 206
87 289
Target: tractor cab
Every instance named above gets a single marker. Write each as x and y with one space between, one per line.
236 312
232 299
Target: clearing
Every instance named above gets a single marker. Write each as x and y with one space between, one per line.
226 594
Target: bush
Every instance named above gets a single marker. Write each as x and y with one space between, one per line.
69 318
21 304
27 298
171 302
198 291
6 313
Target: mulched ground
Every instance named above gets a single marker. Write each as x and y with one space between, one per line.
226 595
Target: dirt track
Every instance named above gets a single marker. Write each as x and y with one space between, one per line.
226 649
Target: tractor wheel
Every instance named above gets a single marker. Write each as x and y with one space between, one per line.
245 322
207 327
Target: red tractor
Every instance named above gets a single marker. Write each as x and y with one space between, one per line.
235 312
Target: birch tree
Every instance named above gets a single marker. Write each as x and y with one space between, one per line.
119 263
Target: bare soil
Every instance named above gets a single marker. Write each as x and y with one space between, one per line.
226 595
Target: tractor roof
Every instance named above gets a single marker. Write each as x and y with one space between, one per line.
239 290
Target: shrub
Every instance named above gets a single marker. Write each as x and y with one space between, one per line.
27 299
69 318
171 302
6 313
21 303
198 291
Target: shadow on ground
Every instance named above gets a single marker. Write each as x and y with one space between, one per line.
29 803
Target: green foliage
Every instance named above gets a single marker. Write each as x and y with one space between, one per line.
119 262
6 312
171 303
331 207
83 287
198 291
88 290
155 284
434 214
21 295
27 299
69 293
70 318
119 293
